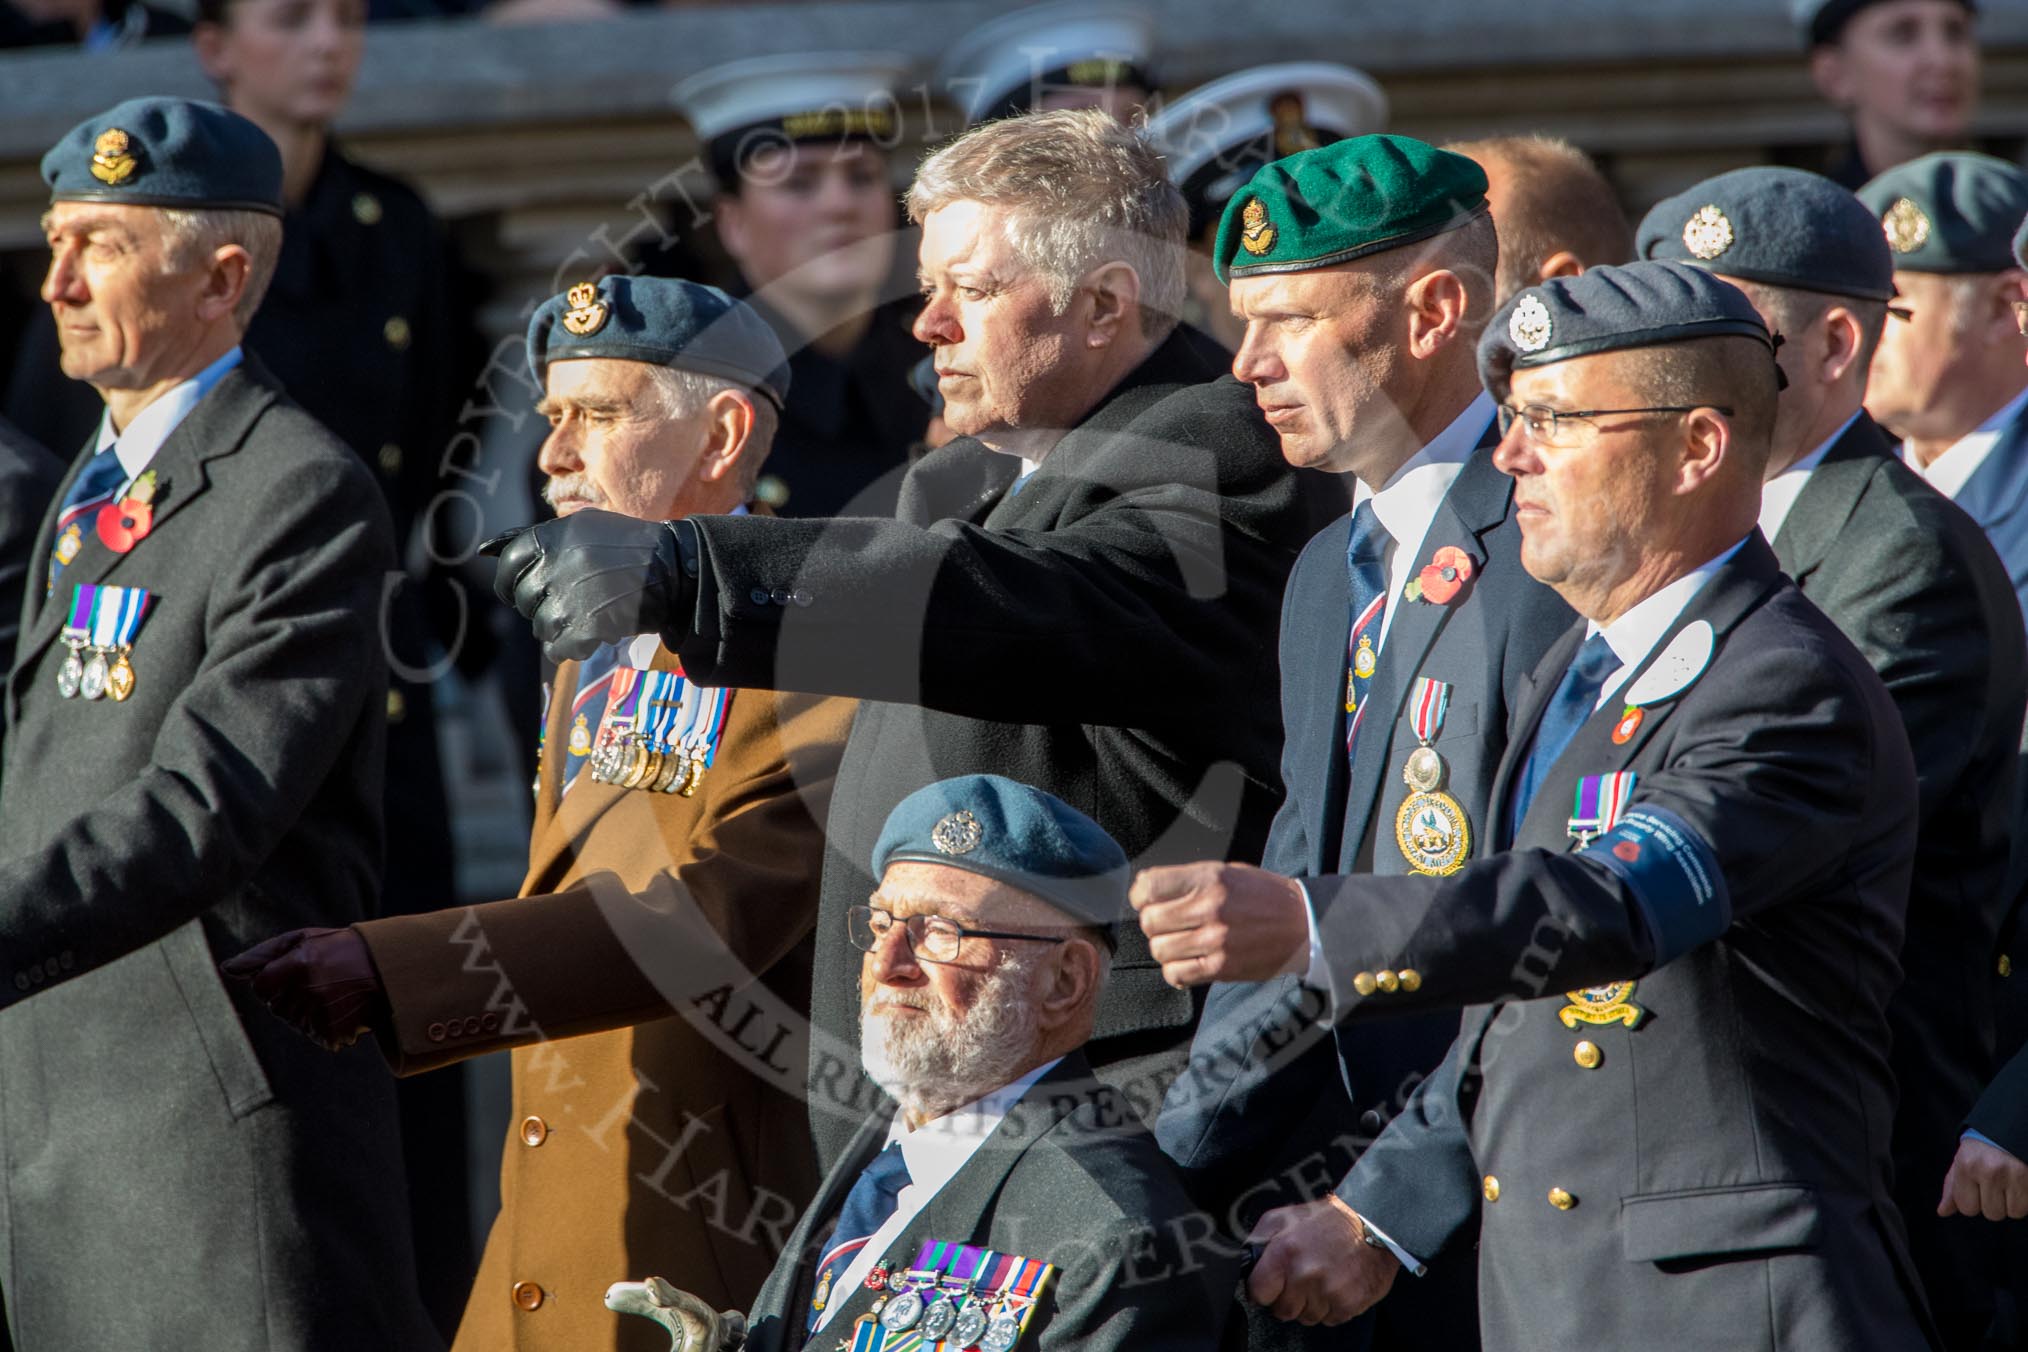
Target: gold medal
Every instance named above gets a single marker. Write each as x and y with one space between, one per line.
651 770
1424 771
1433 832
688 788
120 680
675 769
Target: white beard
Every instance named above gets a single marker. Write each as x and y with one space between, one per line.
936 1062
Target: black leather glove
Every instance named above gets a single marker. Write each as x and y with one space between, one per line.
595 577
321 982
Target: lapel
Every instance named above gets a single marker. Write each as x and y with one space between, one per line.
1999 486
1476 503
562 821
1828 499
1536 690
1731 594
963 1210
1321 700
215 428
960 480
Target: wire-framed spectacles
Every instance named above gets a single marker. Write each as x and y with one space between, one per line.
1550 427
932 938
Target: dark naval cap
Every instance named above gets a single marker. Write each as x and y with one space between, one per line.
1823 21
1016 834
1319 208
1612 309
159 152
1784 227
663 322
1951 212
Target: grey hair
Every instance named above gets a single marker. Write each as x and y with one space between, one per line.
683 393
193 235
1081 190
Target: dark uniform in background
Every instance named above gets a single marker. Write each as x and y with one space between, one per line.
28 479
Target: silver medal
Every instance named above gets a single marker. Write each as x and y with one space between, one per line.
1003 1330
938 1318
92 685
70 675
901 1312
971 1325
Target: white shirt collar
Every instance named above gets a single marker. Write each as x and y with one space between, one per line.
1951 471
1634 635
1778 495
933 1152
1408 501
137 444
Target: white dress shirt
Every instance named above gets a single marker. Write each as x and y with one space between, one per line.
136 444
933 1152
1949 472
1778 495
1408 501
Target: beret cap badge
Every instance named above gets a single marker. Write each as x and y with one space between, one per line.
1906 225
1529 325
1256 236
587 313
1707 233
957 833
112 162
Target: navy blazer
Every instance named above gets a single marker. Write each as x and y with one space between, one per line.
1996 496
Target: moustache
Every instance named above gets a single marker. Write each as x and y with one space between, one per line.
566 488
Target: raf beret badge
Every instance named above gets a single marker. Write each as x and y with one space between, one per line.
112 160
1707 233
957 833
1529 325
1256 236
1906 226
587 313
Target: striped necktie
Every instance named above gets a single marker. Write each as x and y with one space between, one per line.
1365 560
90 491
588 710
868 1206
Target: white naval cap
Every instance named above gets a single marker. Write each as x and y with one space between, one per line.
1218 134
748 105
1004 66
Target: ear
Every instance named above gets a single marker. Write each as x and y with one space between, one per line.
224 283
1843 337
1115 291
1562 263
1828 71
1066 991
1436 304
1707 441
2001 324
728 421
209 40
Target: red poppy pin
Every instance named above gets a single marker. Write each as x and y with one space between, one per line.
124 524
1450 568
1627 850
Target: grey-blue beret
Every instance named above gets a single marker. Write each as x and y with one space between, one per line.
1017 834
1784 227
1612 309
1952 212
159 152
663 322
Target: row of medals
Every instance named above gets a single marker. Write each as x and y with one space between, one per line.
994 1330
106 672
629 762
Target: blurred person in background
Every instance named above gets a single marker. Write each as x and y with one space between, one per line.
28 478
95 25
1557 214
799 146
1905 73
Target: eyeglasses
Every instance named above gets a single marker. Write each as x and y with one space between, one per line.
931 938
1547 426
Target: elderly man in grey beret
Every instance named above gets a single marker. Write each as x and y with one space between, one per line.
1012 1198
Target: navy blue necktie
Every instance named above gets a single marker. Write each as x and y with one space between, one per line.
1366 563
90 491
1568 709
867 1207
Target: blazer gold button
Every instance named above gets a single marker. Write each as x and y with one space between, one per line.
1363 983
1411 980
2006 965
528 1295
1387 981
1561 1200
534 1131
397 706
390 458
1587 1054
1490 1189
396 332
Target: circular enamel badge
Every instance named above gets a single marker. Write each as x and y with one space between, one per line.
1529 325
957 833
1433 833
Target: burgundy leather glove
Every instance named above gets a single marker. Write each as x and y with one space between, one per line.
321 982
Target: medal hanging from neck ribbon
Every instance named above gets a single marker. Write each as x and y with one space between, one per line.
1431 828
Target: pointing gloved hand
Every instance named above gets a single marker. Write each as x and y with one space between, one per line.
595 577
321 982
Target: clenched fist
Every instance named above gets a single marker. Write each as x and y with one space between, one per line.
1222 922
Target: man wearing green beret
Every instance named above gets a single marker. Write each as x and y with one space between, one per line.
196 716
1364 272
